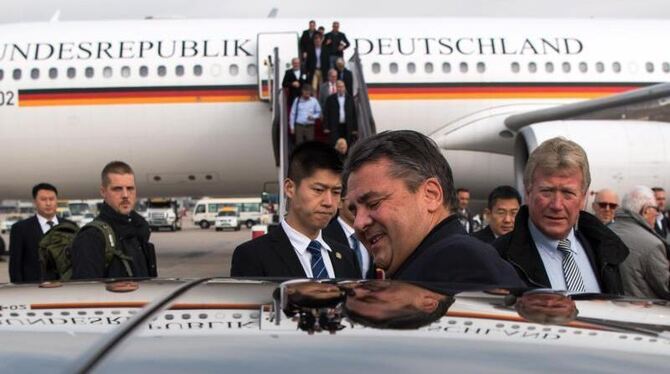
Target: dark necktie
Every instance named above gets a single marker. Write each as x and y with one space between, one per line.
51 225
573 278
358 252
318 267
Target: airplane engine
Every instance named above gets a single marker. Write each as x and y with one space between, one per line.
621 153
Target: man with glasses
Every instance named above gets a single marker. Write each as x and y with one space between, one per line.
646 272
605 205
503 205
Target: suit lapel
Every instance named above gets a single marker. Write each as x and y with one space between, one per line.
37 229
284 249
341 267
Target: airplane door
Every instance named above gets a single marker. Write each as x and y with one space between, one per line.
287 42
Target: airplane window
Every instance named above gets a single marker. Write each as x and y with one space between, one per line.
393 68
446 68
666 68
600 67
88 72
125 71
144 71
162 71
53 73
515 67
107 72
411 68
71 73
649 66
463 67
179 70
566 67
251 70
376 68
35 73
532 67
215 70
481 67
549 67
197 70
16 74
616 67
233 69
2 74
583 67
428 67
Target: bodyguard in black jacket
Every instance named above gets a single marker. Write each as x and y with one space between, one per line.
131 232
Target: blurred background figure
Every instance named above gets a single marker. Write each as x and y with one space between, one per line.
342 147
503 205
662 225
605 204
464 216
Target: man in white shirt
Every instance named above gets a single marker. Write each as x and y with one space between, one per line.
24 265
340 116
296 248
305 110
341 229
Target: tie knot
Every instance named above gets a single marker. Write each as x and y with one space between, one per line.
50 223
564 245
314 247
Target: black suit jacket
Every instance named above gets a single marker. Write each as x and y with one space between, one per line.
24 260
289 78
272 255
306 41
335 41
485 235
335 233
332 118
602 246
449 254
348 78
310 62
662 230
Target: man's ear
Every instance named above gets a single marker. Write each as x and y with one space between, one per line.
289 188
102 191
433 194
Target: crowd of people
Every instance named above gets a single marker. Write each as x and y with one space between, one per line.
319 90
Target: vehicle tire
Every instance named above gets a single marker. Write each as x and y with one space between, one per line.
249 224
219 229
173 228
204 225
237 228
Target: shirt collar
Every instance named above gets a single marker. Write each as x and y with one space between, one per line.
348 230
546 242
43 221
299 240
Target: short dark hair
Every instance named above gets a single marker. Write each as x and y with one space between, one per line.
114 167
306 87
657 189
415 158
503 193
309 157
44 186
461 189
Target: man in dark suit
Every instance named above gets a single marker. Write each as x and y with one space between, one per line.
340 229
340 116
503 205
306 38
555 244
345 75
401 190
662 224
294 79
316 62
336 42
24 262
297 249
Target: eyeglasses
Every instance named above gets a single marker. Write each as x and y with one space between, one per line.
604 205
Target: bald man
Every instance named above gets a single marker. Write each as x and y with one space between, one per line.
605 205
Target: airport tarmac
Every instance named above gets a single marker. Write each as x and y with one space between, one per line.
191 252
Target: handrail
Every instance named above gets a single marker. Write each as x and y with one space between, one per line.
366 122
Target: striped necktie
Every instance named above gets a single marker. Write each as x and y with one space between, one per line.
357 252
318 267
573 278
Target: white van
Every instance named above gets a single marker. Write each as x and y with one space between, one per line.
250 210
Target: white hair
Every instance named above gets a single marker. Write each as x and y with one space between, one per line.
637 198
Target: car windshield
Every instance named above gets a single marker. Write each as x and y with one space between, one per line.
227 214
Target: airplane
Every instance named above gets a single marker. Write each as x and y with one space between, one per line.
185 102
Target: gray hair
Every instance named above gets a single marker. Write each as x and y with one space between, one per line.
414 158
557 154
637 198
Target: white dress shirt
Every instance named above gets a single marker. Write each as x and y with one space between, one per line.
317 52
340 100
43 223
552 259
349 232
300 243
